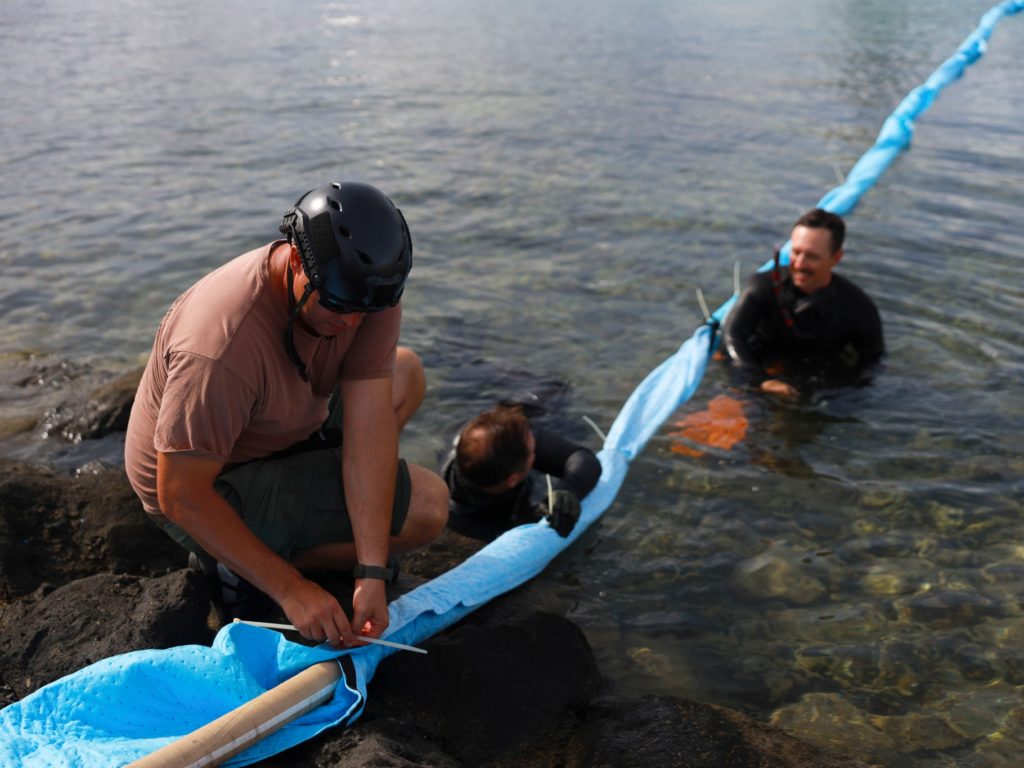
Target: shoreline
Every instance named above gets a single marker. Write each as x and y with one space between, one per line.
77 549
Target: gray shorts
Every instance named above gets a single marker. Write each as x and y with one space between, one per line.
296 501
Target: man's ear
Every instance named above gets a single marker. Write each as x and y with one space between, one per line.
837 256
516 478
294 259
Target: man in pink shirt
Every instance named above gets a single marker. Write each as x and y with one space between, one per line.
226 446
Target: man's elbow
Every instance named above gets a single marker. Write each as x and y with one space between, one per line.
585 467
180 486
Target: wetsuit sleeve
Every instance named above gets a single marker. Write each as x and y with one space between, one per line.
575 466
742 325
869 339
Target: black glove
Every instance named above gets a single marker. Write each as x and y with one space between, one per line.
565 511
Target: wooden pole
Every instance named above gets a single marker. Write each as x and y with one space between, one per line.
229 734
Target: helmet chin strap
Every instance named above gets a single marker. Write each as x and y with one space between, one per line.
293 312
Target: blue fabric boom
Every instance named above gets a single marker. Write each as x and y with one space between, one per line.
123 708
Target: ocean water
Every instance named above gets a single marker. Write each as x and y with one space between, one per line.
572 172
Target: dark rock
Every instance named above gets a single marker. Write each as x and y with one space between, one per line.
105 409
58 632
110 405
443 554
382 743
668 732
56 528
484 690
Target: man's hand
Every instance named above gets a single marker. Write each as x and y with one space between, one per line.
565 511
316 614
777 387
369 608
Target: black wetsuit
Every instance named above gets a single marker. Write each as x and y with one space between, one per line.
484 516
831 336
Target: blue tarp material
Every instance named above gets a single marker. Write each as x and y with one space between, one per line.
123 708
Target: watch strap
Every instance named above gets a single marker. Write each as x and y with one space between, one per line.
373 572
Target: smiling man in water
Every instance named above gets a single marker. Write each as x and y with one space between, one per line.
228 445
805 323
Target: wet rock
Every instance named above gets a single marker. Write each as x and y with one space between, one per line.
673 733
826 720
918 732
972 521
976 714
908 664
1003 747
851 664
1009 573
770 576
527 677
944 608
972 661
110 405
99 412
16 425
1004 633
650 662
881 545
881 496
837 624
58 632
893 577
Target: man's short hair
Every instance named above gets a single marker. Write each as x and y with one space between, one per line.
818 218
493 446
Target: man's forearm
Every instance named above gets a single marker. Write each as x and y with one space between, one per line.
191 503
369 467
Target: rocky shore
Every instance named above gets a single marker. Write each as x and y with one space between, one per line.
85 576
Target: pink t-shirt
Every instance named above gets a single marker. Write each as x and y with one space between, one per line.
219 382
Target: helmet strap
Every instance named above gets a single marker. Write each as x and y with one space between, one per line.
293 311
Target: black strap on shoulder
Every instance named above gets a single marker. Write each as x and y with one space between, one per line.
289 331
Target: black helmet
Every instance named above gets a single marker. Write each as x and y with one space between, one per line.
354 244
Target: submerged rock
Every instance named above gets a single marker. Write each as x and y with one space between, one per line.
944 608
666 731
894 577
770 576
830 722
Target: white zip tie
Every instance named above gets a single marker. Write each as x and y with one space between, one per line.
703 304
596 428
360 638
551 497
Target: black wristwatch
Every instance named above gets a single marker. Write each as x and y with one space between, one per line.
373 572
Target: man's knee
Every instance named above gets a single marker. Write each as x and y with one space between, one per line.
428 507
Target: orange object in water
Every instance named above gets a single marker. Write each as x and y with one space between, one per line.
721 426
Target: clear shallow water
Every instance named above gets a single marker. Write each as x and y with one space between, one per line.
571 173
